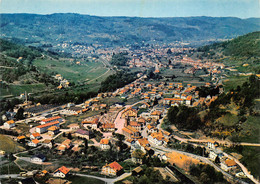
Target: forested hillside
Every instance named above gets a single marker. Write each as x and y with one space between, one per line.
111 31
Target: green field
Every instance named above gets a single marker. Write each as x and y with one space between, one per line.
71 71
79 179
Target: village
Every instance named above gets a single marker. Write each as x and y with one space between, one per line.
122 127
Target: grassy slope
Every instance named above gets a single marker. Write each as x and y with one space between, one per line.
7 144
72 72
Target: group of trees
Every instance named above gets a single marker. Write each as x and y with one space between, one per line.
117 80
206 174
119 59
184 117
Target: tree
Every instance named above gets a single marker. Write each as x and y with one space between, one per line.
70 136
19 115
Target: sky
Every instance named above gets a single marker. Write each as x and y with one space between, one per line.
137 8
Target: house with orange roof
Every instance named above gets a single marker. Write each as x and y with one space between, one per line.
131 132
35 135
9 124
53 130
34 143
108 127
113 169
143 143
61 172
104 144
156 114
158 139
228 164
21 138
65 145
189 100
129 112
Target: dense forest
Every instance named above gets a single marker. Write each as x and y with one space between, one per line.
48 30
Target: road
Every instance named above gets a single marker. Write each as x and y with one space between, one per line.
107 180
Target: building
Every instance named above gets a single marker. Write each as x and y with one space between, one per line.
44 128
228 164
130 132
158 139
52 119
38 158
214 153
73 126
65 145
34 143
47 143
104 144
35 135
113 169
53 130
108 127
130 112
84 134
61 172
9 124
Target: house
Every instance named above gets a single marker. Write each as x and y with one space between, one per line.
38 158
104 144
52 119
61 172
9 124
73 126
47 143
212 145
65 145
214 153
143 143
157 138
34 143
228 164
129 112
108 127
35 135
53 130
44 128
189 100
84 134
131 132
21 139
113 169
91 124
156 115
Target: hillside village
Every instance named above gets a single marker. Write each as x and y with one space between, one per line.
134 132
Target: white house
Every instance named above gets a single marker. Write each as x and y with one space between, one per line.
34 143
104 144
9 124
38 158
61 172
35 135
214 153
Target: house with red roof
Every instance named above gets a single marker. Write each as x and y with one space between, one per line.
104 144
9 124
113 169
61 172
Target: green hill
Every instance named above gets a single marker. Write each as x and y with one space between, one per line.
242 46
